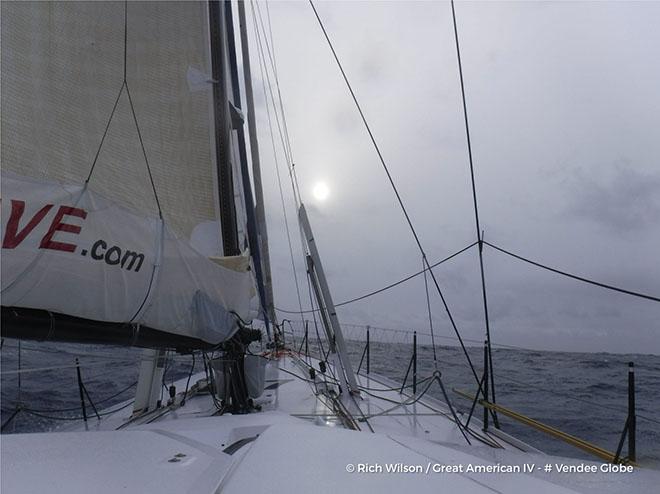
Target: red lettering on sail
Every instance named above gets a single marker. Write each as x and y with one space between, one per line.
57 225
12 236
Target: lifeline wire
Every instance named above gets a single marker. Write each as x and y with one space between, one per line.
573 276
391 285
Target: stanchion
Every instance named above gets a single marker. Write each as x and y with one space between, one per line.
485 386
80 390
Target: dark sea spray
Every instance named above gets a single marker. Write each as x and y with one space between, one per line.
580 393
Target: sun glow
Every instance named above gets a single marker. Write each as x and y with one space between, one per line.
321 191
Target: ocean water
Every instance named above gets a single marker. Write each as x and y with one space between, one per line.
584 394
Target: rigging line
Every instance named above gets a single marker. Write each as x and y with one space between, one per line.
435 377
316 326
383 389
471 340
11 417
391 285
125 35
279 181
102 414
287 151
396 191
271 54
285 147
262 59
165 369
73 409
192 369
105 132
130 101
18 393
144 151
476 208
294 183
270 32
114 107
31 370
647 418
573 276
428 308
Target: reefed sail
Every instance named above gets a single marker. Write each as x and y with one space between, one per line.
109 169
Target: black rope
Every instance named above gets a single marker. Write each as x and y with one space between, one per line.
435 377
11 417
396 192
192 369
270 49
114 107
125 36
573 276
165 369
144 152
18 366
62 410
391 285
89 398
124 85
102 414
460 425
409 401
474 404
105 132
430 314
476 208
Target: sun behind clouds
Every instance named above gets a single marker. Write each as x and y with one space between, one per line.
321 191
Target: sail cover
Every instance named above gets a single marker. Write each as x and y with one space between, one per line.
99 206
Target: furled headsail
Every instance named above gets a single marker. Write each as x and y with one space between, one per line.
121 185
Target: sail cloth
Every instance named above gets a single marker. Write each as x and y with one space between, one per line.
67 249
100 250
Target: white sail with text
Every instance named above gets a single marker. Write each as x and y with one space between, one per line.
112 175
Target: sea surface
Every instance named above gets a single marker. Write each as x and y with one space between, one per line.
584 394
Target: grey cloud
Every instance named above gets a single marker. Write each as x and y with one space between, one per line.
622 199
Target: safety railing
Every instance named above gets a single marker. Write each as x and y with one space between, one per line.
305 342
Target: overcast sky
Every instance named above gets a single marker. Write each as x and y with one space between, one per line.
564 108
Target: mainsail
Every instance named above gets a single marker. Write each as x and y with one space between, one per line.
121 184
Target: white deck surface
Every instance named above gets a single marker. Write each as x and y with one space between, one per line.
296 444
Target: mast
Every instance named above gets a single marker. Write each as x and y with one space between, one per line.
226 92
217 29
252 224
256 169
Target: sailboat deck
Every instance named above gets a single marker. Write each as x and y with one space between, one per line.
291 397
192 449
